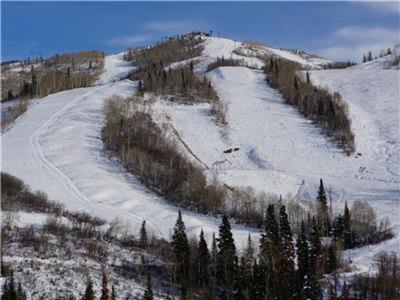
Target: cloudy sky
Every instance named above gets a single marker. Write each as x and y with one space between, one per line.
336 30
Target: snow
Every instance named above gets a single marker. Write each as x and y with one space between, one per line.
115 68
55 147
373 98
6 106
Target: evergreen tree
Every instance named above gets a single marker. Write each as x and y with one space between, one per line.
258 281
21 295
364 59
89 294
312 286
315 249
270 251
180 247
302 256
143 235
6 292
338 227
213 264
323 213
321 197
104 287
202 262
249 252
369 57
238 282
270 237
148 293
287 278
225 257
331 261
113 293
347 235
308 77
389 51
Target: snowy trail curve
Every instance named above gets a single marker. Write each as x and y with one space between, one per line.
56 147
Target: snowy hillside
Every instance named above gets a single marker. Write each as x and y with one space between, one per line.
55 146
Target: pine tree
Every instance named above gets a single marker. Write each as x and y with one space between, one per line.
308 77
213 264
89 294
331 262
389 51
180 247
148 293
104 287
369 57
143 235
302 256
270 251
287 278
323 215
225 257
315 265
270 237
315 249
347 234
246 273
238 282
249 252
338 227
364 59
202 262
258 281
113 293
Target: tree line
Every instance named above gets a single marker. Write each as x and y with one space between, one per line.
370 57
326 109
51 75
284 265
178 83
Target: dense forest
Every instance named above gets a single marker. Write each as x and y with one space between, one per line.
281 265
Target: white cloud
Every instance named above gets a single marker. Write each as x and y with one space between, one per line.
353 41
172 26
390 7
130 40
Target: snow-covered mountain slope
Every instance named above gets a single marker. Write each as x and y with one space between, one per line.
251 52
282 152
55 147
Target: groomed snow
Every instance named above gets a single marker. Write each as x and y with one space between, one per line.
55 147
281 152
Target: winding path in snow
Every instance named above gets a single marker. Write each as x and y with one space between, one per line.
55 147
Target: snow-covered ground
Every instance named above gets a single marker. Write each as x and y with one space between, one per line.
55 147
282 152
372 94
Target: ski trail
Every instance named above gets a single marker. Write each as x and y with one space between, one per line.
45 164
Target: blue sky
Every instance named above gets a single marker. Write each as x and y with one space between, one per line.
337 30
